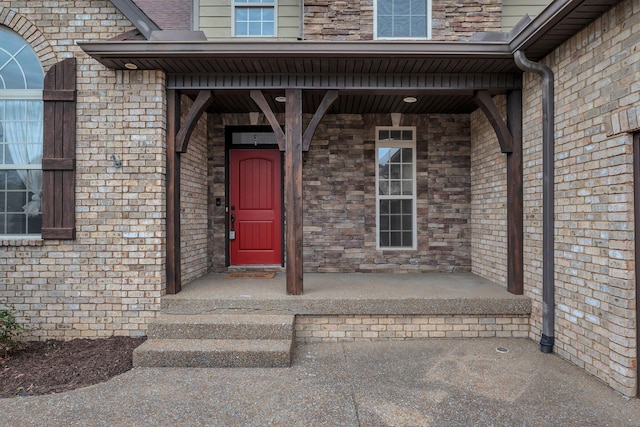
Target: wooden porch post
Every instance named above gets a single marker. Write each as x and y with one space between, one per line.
510 138
174 274
515 227
293 191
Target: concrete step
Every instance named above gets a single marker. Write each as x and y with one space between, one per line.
222 326
213 353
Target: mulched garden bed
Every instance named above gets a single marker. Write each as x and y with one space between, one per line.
55 366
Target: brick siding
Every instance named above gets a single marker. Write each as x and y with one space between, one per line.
488 200
596 75
194 195
314 329
109 280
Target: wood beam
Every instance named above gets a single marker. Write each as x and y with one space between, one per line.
261 101
327 101
174 273
486 104
202 102
515 215
293 191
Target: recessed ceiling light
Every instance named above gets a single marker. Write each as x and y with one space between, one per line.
410 99
281 98
130 66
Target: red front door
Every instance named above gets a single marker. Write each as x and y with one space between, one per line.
255 207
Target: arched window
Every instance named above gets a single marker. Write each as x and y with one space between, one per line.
21 117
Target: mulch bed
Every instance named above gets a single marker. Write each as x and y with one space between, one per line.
55 366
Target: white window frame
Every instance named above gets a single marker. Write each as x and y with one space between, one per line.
20 95
397 144
429 24
245 5
19 91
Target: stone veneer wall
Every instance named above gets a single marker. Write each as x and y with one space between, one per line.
194 194
340 203
596 81
109 280
353 19
338 20
460 20
488 199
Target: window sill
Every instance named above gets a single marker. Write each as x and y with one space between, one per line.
21 241
396 249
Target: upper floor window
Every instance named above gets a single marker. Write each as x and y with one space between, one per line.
21 115
403 19
254 18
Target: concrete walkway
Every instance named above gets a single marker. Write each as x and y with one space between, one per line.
417 383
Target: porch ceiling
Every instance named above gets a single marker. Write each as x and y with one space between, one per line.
348 103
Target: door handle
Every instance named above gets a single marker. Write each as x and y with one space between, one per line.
232 230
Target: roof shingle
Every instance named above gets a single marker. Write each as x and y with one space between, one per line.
168 14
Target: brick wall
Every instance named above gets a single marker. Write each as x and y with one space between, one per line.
353 19
109 280
339 195
314 329
194 195
596 75
488 199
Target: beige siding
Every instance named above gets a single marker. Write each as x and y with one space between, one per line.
514 10
288 19
215 18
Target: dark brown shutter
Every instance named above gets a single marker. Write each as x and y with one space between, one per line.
59 152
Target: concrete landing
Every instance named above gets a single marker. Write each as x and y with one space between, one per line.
350 294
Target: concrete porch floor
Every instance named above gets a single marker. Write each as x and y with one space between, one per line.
354 293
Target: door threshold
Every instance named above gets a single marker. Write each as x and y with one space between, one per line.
256 267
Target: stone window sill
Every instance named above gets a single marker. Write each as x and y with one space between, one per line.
21 241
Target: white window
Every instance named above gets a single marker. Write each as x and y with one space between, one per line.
21 115
402 19
254 18
396 187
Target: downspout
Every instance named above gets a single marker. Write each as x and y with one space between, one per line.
548 259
